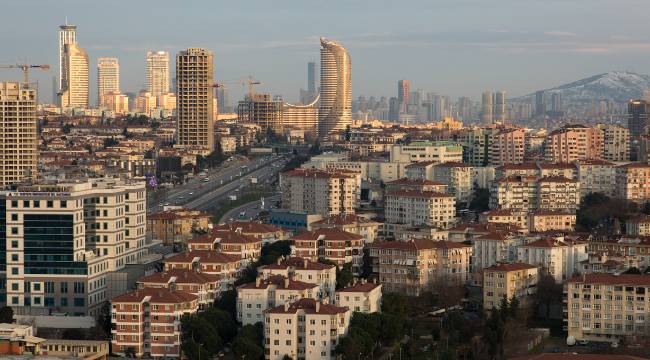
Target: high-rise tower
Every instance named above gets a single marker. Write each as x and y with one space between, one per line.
403 89
638 116
67 35
108 78
540 102
335 112
487 108
157 72
500 107
195 98
311 77
74 87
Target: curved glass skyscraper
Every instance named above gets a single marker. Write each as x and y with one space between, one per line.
335 111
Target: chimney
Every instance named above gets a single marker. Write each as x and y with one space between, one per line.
305 262
279 260
317 306
286 283
238 230
286 305
258 281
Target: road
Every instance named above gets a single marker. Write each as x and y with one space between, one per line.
199 193
250 210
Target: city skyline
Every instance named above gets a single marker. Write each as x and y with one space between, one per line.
433 52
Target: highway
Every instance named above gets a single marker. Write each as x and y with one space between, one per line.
201 194
250 210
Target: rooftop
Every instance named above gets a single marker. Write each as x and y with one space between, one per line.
158 295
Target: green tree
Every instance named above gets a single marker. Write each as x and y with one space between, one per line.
244 348
6 315
356 343
480 200
548 294
395 304
227 302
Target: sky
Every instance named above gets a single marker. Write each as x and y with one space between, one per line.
452 47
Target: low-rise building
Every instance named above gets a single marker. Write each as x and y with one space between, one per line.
504 216
274 290
633 182
205 286
458 178
540 221
596 176
247 248
147 322
513 280
361 297
226 266
323 275
497 246
266 232
332 244
305 329
176 226
638 226
351 223
557 258
415 208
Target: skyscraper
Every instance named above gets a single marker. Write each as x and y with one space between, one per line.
556 102
540 102
464 108
74 89
67 35
487 108
18 154
638 113
500 107
108 78
311 77
403 89
222 99
195 98
157 72
335 112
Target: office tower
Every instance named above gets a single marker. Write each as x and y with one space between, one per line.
74 90
393 109
157 72
108 78
403 89
195 79
311 77
464 108
556 102
540 102
222 99
487 108
500 107
335 112
19 137
67 35
638 112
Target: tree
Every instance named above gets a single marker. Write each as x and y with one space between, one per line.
227 302
447 292
6 315
480 200
633 270
344 276
549 293
395 304
74 334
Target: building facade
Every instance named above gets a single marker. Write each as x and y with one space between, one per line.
335 112
158 72
74 90
108 78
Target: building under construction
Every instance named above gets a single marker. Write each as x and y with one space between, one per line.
267 112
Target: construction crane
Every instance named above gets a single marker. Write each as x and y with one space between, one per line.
249 81
25 68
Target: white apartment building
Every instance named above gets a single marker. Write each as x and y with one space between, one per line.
523 194
420 208
265 293
304 270
320 192
306 329
362 297
557 258
418 151
596 176
495 247
458 178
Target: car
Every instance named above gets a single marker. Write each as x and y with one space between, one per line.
191 193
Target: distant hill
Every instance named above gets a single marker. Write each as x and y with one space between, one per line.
618 86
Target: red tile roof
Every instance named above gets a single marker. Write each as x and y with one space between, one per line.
407 181
546 243
249 227
204 256
453 164
418 194
182 276
418 244
510 267
327 234
360 287
297 263
157 295
611 279
557 179
280 282
343 219
309 306
178 214
546 165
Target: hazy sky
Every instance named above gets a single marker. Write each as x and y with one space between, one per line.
454 47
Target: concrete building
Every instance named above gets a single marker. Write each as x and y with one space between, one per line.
362 297
487 108
557 258
19 152
67 35
499 107
253 299
523 194
633 182
331 244
418 151
638 112
506 146
638 226
74 90
305 270
265 232
306 329
458 178
403 92
596 176
351 223
195 99
410 267
335 111
574 142
93 228
205 286
148 321
607 307
616 142
415 208
247 248
514 280
158 72
145 103
320 192
227 267
108 78
541 221
116 102
504 216
493 248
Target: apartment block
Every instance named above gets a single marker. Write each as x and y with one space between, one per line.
266 232
416 208
320 192
409 267
540 221
247 248
616 142
633 182
416 151
253 299
504 216
331 244
362 297
559 258
506 146
573 142
205 286
607 307
596 176
306 329
366 228
227 267
638 226
494 247
305 270
410 184
524 194
513 280
458 178
148 322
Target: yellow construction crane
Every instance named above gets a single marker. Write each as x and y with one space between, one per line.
25 68
249 81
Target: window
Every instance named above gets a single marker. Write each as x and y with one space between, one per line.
79 302
64 288
14 231
49 288
50 204
14 257
64 301
14 217
14 286
64 204
14 271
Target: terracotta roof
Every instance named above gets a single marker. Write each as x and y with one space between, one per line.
557 179
309 306
498 212
546 243
418 244
182 276
573 356
343 219
177 214
204 256
522 166
546 165
422 163
551 213
453 164
297 263
611 279
494 235
639 165
157 295
281 283
318 173
328 234
594 162
360 287
251 227
407 181
510 267
419 194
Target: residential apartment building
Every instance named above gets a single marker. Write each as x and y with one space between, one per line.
320 192
247 248
616 142
416 208
305 270
504 216
506 146
513 280
417 151
633 182
331 244
305 329
64 238
253 299
227 267
607 307
409 267
458 178
495 247
20 138
176 226
147 321
205 286
351 223
559 258
158 72
558 193
634 250
596 176
573 142
638 226
419 184
362 297
540 221
266 232
524 194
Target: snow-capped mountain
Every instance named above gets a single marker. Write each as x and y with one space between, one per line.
618 86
